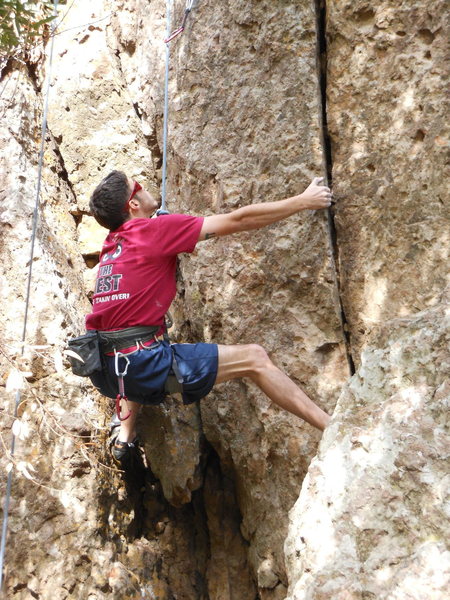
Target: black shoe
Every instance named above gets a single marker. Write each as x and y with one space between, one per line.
121 451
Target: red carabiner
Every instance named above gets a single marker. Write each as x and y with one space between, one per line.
174 34
119 409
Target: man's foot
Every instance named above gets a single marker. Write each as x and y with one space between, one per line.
121 451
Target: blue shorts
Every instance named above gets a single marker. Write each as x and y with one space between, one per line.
149 368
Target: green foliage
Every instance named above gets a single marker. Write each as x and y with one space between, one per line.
21 22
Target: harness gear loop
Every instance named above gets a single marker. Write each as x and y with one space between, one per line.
120 375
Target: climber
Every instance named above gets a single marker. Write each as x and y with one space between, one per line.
136 285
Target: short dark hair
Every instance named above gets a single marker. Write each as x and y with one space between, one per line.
108 201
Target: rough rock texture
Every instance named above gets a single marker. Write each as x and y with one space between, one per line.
172 438
370 520
244 127
59 422
387 121
205 515
91 113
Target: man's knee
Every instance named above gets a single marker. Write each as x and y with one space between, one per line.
243 360
259 358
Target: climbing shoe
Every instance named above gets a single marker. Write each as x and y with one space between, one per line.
121 451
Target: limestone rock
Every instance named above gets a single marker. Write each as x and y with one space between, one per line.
372 517
57 419
387 121
244 128
91 113
272 287
90 236
171 434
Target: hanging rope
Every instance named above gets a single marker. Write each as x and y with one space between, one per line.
169 38
27 299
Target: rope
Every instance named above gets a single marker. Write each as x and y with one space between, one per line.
168 39
27 300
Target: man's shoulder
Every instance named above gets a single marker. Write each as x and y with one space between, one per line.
175 218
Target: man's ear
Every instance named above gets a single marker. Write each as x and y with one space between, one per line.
134 203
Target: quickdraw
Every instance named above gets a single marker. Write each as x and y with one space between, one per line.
120 375
180 29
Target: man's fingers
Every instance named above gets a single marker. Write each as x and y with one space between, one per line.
317 180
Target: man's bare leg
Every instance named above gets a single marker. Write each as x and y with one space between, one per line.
127 432
250 360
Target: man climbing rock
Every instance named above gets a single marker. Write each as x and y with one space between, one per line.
135 287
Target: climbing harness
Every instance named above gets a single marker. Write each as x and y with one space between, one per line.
125 342
28 291
170 36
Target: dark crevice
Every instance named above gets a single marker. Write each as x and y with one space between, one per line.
152 515
62 173
6 68
32 70
151 139
91 260
321 54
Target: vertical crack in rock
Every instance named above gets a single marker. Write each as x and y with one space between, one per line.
151 139
63 173
321 55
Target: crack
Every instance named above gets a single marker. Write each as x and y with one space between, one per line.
321 64
63 173
6 67
151 139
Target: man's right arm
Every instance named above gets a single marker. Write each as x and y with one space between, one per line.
257 216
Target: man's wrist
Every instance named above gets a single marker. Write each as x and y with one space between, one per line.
300 202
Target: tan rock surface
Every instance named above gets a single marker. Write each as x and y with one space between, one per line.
91 113
90 236
372 517
72 522
171 434
244 128
269 287
387 120
58 420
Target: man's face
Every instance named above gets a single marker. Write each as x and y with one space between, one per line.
148 202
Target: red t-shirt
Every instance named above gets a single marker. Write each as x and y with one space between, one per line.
136 275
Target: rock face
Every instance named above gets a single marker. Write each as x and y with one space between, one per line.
57 422
205 514
239 135
369 520
387 121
